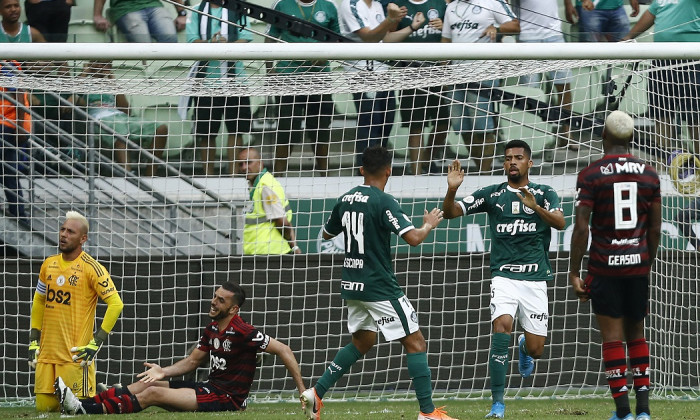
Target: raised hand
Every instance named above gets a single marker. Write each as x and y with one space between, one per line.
455 175
436 24
418 20
490 32
395 13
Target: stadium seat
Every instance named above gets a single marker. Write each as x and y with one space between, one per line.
179 131
522 124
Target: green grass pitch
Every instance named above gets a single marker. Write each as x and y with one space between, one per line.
540 409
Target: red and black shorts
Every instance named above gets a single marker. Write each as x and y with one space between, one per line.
210 398
624 297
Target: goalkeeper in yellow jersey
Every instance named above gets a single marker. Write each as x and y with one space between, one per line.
63 316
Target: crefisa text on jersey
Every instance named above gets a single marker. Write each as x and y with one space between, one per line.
356 196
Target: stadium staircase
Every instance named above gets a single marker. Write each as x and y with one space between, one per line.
129 215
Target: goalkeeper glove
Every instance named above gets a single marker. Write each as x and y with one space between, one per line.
34 336
33 353
86 354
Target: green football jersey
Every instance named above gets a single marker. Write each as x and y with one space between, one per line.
519 237
432 9
321 12
672 21
24 35
367 216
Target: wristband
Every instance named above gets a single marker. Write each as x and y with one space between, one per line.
182 12
295 248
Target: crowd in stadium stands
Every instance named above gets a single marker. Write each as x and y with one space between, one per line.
210 111
601 20
15 123
400 21
540 23
112 111
367 22
140 21
421 108
315 111
674 95
477 125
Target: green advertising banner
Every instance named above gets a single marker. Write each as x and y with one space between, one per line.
465 234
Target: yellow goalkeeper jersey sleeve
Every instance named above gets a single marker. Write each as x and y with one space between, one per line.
71 289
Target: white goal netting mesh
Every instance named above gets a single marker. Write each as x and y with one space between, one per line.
118 140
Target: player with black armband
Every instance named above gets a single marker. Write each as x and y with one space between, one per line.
63 316
231 347
620 196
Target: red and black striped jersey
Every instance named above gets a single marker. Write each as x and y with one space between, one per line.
619 189
232 356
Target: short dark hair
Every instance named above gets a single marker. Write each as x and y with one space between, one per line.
519 143
238 292
375 159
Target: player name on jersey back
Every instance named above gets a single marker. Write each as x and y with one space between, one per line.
620 190
367 216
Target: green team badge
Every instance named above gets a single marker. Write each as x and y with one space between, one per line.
320 16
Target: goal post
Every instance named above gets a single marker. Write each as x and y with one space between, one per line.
168 239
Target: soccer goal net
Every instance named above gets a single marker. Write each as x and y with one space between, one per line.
144 140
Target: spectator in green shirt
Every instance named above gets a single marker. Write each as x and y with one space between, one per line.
210 111
316 111
673 89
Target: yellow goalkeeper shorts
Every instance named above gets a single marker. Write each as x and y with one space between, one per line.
81 380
